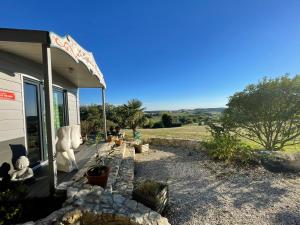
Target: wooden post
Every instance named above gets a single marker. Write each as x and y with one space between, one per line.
104 113
47 71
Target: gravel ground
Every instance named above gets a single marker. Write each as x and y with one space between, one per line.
206 192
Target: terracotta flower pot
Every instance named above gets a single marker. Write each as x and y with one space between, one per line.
119 142
98 175
109 138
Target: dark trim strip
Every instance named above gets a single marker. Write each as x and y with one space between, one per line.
19 35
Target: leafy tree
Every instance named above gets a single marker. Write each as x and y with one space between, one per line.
118 115
166 120
149 122
267 113
91 119
182 119
158 124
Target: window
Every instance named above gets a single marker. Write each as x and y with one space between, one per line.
59 108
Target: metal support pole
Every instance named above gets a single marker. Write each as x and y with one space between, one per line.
104 113
47 71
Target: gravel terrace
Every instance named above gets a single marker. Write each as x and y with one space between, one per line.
205 192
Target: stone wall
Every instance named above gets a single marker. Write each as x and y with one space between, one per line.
95 205
87 204
176 142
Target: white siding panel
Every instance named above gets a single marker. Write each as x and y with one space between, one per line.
11 111
72 106
73 117
10 85
11 134
11 114
71 96
9 76
13 124
10 105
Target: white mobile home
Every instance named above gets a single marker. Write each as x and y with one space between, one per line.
40 73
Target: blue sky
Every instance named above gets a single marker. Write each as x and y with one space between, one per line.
173 54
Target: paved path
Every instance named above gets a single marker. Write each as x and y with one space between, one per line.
205 192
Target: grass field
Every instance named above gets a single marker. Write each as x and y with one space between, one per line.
185 132
194 132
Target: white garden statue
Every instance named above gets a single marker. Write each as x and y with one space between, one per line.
23 171
68 139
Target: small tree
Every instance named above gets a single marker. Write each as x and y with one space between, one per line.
91 119
267 113
166 120
117 114
134 113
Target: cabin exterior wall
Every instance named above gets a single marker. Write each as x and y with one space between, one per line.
13 70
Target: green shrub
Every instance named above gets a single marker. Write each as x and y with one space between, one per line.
158 124
10 206
99 137
228 148
166 120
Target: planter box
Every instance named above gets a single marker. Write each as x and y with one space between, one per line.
138 148
141 148
156 199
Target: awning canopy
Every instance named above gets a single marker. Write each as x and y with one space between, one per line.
69 59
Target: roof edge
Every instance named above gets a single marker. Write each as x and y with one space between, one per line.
22 35
68 45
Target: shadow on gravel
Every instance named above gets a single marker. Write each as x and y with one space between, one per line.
282 218
200 186
260 194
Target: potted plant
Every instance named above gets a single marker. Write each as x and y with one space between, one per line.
152 194
138 148
141 147
109 138
98 174
118 142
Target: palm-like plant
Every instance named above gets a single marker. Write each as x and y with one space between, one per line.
134 113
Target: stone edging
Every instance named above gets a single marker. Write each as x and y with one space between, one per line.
189 144
93 205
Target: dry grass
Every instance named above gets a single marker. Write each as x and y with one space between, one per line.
194 132
186 132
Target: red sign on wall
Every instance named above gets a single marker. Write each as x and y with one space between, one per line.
4 95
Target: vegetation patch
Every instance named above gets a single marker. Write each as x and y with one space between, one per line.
228 147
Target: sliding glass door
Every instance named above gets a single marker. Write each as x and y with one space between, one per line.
36 118
33 122
60 114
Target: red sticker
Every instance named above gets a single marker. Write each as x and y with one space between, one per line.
7 95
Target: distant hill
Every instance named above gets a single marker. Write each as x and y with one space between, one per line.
210 111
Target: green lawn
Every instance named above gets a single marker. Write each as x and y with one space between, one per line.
194 132
185 132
